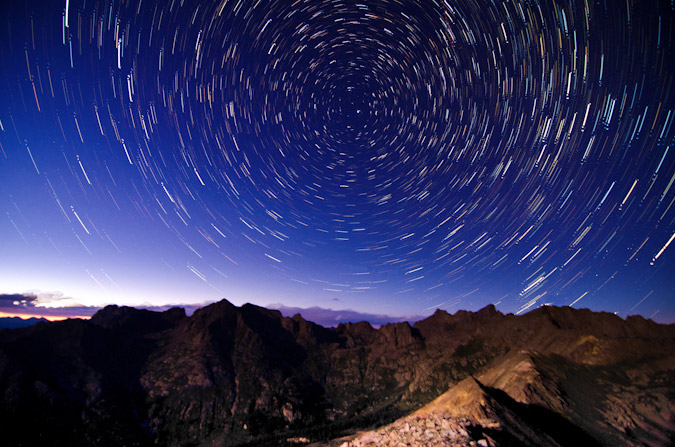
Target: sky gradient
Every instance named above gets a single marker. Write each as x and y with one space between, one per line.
390 157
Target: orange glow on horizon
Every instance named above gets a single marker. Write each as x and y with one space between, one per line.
27 315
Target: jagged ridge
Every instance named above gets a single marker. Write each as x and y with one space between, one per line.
232 375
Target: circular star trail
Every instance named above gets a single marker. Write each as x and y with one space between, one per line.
390 156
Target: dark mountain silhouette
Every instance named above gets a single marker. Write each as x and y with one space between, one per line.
247 375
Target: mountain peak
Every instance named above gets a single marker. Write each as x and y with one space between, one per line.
488 310
137 320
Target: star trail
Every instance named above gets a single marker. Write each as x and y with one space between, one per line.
385 156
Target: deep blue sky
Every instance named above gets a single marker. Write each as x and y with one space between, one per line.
390 157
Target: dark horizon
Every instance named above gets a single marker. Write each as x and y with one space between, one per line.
325 317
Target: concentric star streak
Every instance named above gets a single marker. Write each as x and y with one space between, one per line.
386 156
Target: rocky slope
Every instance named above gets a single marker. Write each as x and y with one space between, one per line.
471 414
248 376
526 399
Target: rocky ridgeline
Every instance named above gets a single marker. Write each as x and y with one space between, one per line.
425 431
247 376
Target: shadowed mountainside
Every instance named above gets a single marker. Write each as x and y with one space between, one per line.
247 375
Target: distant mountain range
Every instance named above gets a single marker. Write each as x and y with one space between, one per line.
17 322
245 376
332 318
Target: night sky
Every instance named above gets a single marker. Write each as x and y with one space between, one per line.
391 157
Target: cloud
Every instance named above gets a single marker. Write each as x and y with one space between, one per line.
331 318
54 305
15 299
42 305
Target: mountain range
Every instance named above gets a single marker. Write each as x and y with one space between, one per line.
18 322
245 376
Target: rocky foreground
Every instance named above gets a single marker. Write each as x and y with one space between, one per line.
438 430
470 415
551 407
246 376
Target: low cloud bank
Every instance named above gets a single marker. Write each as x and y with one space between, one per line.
331 318
41 305
55 306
